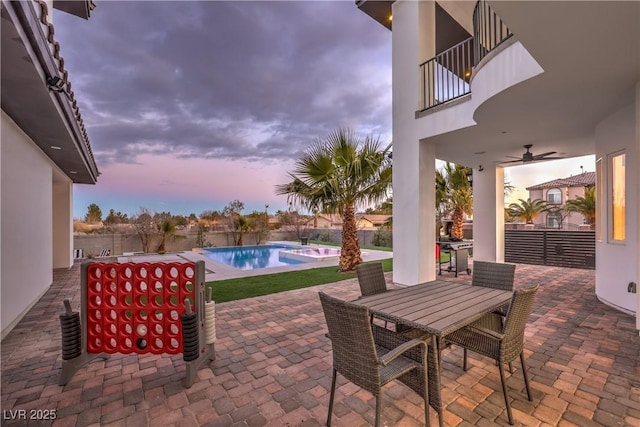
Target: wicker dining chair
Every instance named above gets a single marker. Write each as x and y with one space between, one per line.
371 278
358 359
504 344
496 275
372 281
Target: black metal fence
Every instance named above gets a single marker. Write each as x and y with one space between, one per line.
559 248
488 31
446 76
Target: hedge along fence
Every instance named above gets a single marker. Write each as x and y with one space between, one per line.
559 248
118 243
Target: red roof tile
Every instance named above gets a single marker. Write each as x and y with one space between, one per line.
585 179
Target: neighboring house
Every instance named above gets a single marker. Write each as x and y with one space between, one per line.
325 221
563 77
556 193
364 221
44 150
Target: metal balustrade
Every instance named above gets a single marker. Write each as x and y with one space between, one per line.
447 76
488 31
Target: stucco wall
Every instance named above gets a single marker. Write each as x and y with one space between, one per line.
617 261
92 244
26 223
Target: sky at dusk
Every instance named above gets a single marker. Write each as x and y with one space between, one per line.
190 105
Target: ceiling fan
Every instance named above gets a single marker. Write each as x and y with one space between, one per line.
528 156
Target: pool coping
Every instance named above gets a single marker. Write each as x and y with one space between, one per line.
218 271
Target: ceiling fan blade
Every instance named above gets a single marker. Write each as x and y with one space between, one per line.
539 156
511 161
550 158
514 157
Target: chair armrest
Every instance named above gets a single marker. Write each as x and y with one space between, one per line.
486 332
398 351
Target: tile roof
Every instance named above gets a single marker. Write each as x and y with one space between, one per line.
55 48
585 179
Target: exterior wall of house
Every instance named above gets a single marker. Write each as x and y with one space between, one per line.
413 199
488 214
617 262
461 11
322 222
412 43
26 216
62 205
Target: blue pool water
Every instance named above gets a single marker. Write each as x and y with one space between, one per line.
250 257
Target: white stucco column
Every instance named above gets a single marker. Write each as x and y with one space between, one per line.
413 162
637 188
488 213
62 219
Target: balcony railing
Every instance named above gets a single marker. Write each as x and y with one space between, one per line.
488 31
447 76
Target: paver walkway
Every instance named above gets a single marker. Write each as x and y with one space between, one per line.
273 368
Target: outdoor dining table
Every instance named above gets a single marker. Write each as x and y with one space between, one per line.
438 307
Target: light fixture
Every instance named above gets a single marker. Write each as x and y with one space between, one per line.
55 84
73 172
480 168
55 147
390 18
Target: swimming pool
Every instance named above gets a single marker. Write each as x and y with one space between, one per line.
250 257
311 254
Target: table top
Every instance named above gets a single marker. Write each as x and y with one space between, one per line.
438 307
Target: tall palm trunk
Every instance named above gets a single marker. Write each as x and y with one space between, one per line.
350 254
457 228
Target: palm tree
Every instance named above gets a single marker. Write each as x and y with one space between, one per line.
337 174
454 194
167 229
528 210
585 205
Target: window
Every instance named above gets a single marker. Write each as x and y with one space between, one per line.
554 196
554 220
618 197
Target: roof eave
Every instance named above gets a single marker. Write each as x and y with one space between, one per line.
51 118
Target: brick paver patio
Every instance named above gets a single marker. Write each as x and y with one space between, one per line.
273 368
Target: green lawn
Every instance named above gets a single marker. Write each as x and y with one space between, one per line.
247 287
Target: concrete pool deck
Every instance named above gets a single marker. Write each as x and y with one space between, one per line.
219 271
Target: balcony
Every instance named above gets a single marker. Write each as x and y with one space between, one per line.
447 76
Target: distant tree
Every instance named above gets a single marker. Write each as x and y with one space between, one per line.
528 210
201 242
167 230
233 213
116 218
585 205
180 220
294 223
211 215
94 214
258 224
384 208
145 227
192 217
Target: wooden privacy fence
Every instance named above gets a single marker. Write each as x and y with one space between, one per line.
559 248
